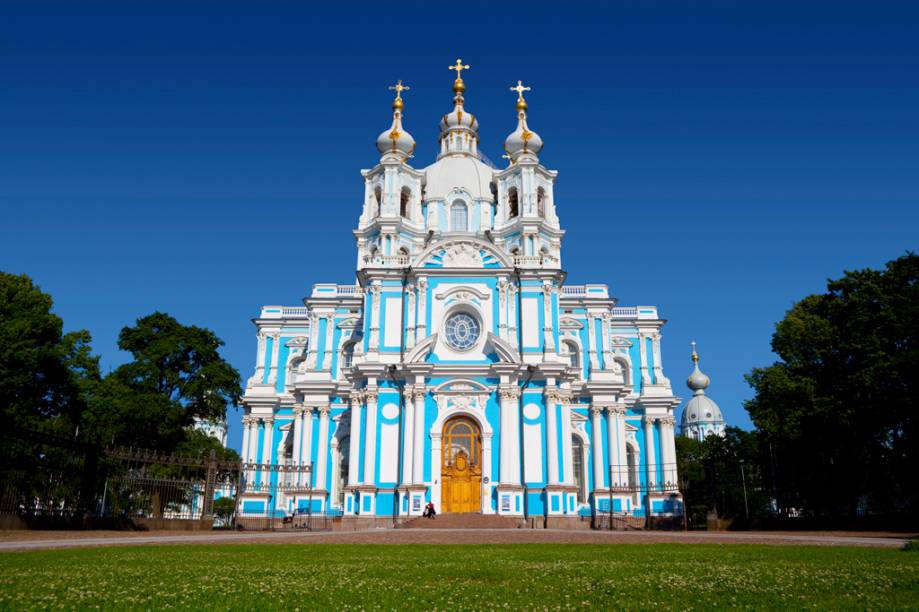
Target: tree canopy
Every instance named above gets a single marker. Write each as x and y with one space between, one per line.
838 411
176 375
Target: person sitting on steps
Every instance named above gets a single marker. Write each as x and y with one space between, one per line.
429 511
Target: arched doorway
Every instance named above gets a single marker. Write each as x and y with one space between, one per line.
461 466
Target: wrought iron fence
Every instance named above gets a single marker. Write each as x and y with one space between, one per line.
53 480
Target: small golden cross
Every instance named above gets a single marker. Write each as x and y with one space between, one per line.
520 89
459 67
399 88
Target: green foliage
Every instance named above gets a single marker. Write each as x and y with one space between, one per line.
460 577
716 474
223 510
176 376
838 412
44 373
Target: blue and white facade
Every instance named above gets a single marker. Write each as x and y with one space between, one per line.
460 313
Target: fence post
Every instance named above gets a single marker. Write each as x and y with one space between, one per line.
209 482
86 503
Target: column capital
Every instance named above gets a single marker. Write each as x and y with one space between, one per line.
325 409
356 398
553 395
371 395
419 393
596 410
667 420
509 392
649 420
616 409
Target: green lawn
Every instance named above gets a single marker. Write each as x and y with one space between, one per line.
460 577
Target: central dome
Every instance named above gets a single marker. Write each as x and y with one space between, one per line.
462 172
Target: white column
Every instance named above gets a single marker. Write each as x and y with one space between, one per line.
618 471
329 349
502 309
267 454
510 435
592 342
418 441
607 345
354 452
260 358
374 318
245 446
512 290
298 440
548 292
307 442
568 476
422 323
642 348
410 324
313 341
322 460
668 450
650 454
486 471
253 440
597 445
658 362
370 445
551 401
275 353
408 437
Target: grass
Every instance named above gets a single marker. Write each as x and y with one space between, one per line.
459 577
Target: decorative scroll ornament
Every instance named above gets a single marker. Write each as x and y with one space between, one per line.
462 255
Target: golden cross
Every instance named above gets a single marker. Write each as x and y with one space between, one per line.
399 88
520 89
459 67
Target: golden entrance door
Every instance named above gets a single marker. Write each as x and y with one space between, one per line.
461 467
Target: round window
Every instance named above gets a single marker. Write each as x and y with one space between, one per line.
462 331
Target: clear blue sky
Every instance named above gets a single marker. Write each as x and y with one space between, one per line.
717 159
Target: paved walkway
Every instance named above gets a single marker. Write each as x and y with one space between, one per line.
452 536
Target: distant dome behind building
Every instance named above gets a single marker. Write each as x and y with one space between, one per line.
701 416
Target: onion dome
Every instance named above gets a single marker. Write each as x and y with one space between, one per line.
522 141
697 381
396 142
701 416
459 128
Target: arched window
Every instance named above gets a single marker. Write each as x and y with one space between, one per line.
404 199
541 202
577 466
459 221
574 357
512 210
461 435
377 200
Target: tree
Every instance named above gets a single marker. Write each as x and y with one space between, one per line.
722 475
838 411
223 510
44 373
176 376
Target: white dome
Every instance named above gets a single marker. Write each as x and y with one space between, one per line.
522 141
396 140
458 172
701 409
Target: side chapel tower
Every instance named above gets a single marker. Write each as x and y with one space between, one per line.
460 369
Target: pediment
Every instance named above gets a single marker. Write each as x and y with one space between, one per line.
462 253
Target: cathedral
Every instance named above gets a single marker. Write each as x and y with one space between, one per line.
460 369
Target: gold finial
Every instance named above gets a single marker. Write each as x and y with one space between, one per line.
521 103
695 355
458 86
398 88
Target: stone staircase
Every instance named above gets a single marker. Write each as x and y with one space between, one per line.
463 521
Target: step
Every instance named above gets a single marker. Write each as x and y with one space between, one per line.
463 521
